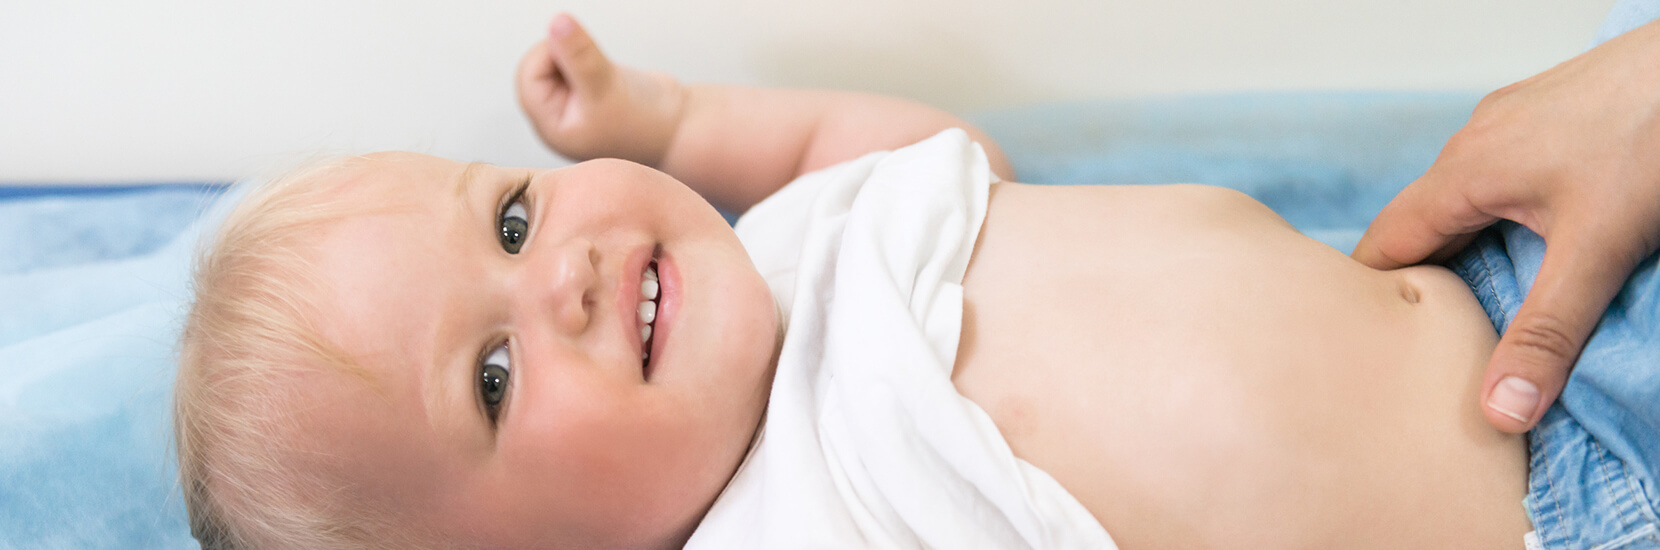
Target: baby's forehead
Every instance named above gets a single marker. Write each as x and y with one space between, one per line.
390 172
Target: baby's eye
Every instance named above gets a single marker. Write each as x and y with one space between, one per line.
492 380
513 225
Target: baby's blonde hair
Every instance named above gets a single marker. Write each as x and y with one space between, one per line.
248 332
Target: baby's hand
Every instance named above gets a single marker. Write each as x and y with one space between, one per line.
584 107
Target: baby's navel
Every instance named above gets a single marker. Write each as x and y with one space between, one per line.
1409 292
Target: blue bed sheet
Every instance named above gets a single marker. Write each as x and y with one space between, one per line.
93 284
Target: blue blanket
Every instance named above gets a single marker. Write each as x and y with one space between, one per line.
92 284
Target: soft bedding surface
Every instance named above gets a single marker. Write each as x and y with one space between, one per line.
93 283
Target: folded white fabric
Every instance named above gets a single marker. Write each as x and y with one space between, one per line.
866 442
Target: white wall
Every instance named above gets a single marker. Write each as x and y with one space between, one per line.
100 90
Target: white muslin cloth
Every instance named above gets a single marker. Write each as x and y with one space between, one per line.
867 443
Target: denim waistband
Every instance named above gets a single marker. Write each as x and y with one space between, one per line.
1581 495
1485 266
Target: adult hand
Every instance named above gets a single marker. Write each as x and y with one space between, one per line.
1573 154
584 106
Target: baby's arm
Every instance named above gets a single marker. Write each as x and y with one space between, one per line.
735 145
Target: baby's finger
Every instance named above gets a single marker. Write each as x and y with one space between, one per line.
1577 280
575 55
536 74
542 94
1423 220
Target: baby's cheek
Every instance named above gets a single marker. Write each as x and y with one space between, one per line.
608 456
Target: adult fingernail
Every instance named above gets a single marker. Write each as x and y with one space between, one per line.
1515 398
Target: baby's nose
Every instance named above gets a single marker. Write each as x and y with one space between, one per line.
564 284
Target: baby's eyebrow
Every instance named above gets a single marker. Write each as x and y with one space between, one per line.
436 385
464 181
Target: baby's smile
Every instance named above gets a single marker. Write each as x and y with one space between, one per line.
659 301
646 311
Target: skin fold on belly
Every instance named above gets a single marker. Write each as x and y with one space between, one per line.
1200 375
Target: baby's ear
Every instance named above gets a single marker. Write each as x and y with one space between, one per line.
578 59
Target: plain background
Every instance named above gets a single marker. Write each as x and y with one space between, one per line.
169 90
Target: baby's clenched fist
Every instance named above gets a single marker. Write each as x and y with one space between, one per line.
583 106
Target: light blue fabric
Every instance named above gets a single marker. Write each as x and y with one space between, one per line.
39 230
90 295
115 238
1626 15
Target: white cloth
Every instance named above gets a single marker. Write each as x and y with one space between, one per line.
867 443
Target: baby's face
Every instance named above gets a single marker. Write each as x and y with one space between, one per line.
498 312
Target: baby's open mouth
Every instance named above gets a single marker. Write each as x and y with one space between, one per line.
647 311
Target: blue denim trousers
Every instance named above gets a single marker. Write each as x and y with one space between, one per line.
1596 454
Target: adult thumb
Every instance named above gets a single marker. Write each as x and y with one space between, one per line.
1531 364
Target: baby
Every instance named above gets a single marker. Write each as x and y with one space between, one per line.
895 349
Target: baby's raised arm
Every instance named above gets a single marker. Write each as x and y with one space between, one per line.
735 145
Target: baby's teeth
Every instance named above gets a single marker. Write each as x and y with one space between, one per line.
645 332
651 273
648 289
648 311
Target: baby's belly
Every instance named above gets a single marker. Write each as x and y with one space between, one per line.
1198 374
